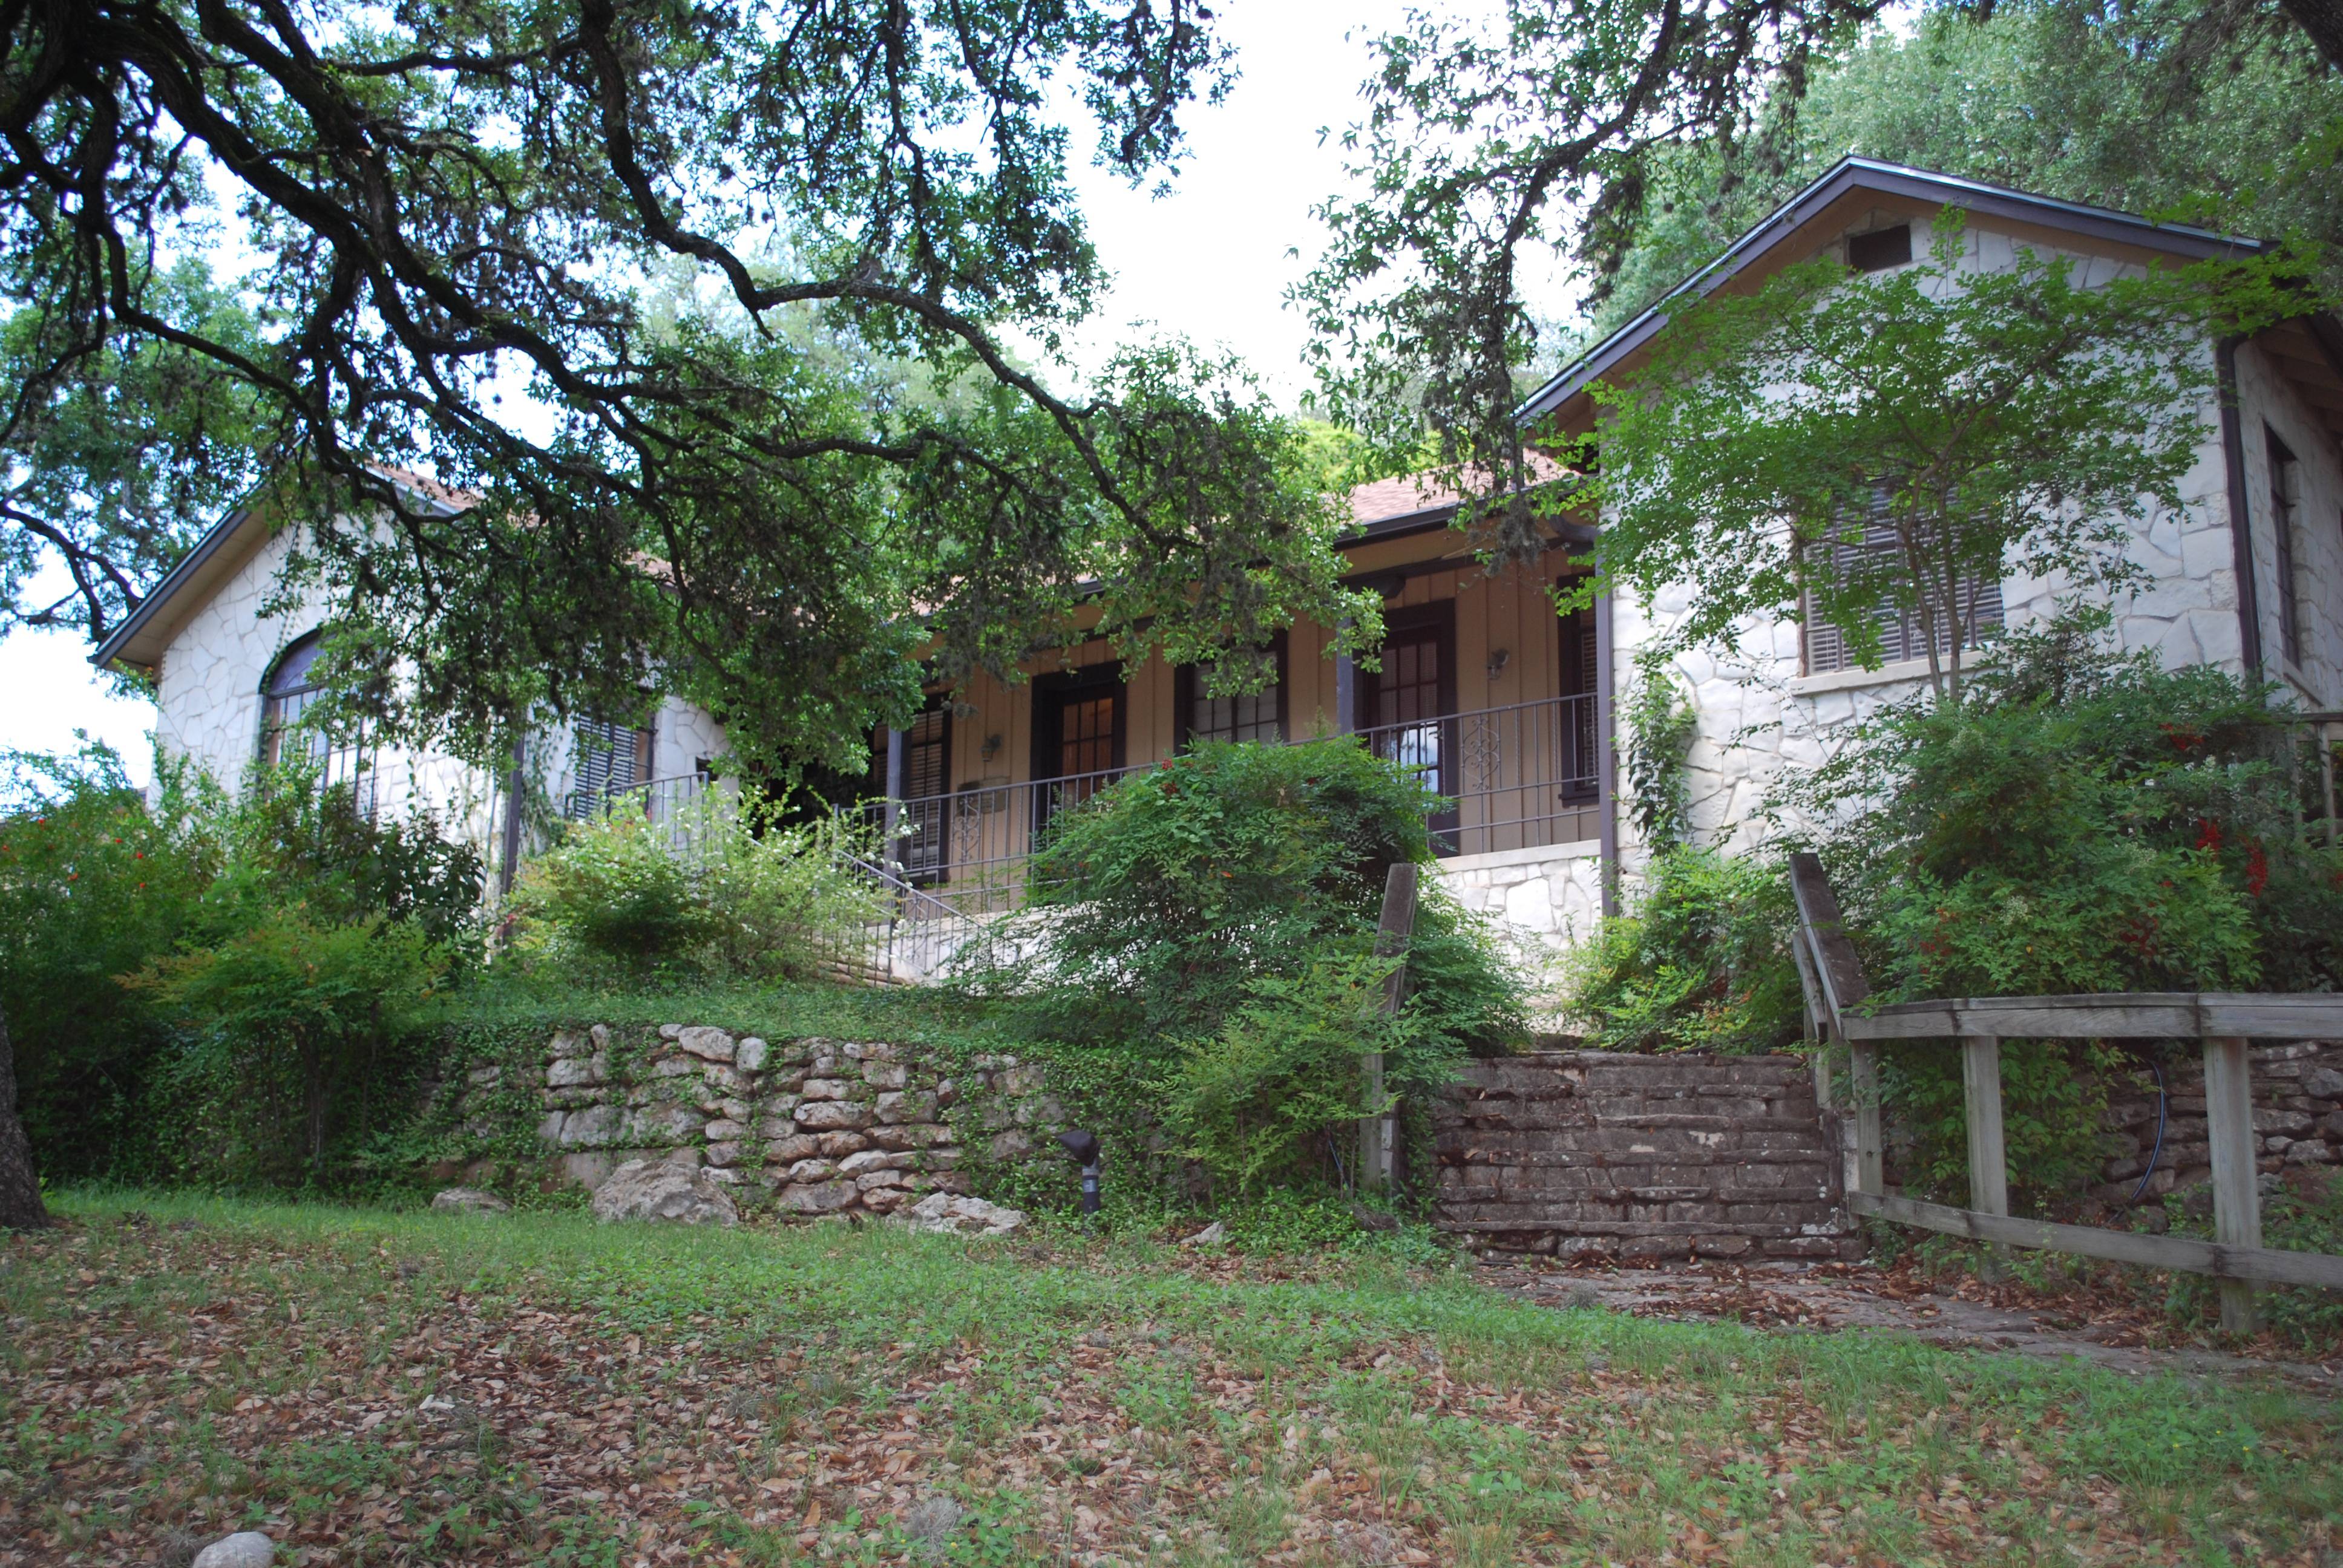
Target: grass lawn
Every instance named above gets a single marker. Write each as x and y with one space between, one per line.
376 1387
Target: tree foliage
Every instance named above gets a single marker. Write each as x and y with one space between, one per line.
1834 447
1496 148
468 215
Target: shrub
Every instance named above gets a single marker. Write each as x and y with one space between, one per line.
1274 1095
144 950
301 1040
1162 899
1703 964
727 890
93 884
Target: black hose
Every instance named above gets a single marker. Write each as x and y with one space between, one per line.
2162 1101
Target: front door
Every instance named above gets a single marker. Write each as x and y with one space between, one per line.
1407 707
1078 736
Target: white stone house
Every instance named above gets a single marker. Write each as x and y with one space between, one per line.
2248 576
1508 710
227 641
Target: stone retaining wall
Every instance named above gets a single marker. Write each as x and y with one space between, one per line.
1585 1153
2297 1094
809 1126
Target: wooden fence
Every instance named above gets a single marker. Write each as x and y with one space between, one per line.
1837 998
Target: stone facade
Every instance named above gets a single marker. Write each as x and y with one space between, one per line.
806 1127
1549 894
1582 1154
2298 1095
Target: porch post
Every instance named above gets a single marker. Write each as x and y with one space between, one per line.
1606 759
515 787
894 806
1346 688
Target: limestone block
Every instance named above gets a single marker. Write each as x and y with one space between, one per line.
812 1171
723 1153
837 1145
827 1088
591 1128
885 1200
815 1198
1011 1144
869 1051
870 1180
737 1110
726 1079
568 1044
832 1116
707 1044
1024 1080
722 1128
907 1105
663 1124
749 1054
874 1160
674 1067
885 1075
577 1072
789 1149
663 1189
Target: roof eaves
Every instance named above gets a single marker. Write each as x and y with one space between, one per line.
1890 178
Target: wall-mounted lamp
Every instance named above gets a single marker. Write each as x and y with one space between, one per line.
1497 662
991 745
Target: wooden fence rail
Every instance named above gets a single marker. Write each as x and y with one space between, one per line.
1837 991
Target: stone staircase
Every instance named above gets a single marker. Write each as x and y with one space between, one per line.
1641 1159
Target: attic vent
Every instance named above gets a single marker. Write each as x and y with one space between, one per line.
1879 249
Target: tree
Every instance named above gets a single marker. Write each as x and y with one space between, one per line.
1832 447
459 207
2080 102
21 1208
1493 147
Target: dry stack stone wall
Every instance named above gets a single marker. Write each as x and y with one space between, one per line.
2298 1095
810 1127
1593 1154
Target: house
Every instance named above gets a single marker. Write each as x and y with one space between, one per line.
1505 704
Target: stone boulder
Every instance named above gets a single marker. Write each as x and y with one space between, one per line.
963 1216
245 1549
664 1190
469 1200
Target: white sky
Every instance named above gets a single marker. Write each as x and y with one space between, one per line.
1210 262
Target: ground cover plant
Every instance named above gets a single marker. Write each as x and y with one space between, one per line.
376 1387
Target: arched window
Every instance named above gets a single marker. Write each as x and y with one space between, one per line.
292 689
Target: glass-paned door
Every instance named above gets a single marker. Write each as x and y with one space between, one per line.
1077 739
1409 705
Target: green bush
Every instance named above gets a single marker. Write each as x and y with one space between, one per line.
1212 922
93 884
301 1042
1162 899
723 890
151 953
1277 1093
1703 964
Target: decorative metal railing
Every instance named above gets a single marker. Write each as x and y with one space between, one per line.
1519 777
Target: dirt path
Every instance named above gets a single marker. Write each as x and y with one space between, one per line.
1824 1297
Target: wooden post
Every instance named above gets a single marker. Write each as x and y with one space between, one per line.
1981 1097
2236 1193
1378 1151
1863 1086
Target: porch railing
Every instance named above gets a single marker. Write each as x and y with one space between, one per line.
1519 777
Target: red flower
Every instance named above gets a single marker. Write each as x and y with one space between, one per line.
2208 833
2257 870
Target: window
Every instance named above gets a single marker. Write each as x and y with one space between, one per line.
611 760
292 690
2285 478
1407 708
1255 715
919 826
1880 249
1078 735
1581 766
1900 633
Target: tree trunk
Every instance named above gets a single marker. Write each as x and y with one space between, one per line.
21 1208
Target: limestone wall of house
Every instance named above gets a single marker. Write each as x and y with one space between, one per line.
208 707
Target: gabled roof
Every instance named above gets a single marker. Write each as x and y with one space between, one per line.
1854 177
147 631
